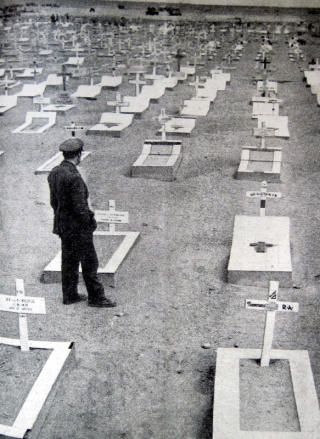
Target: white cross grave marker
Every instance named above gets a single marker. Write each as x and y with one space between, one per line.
118 103
137 82
263 195
272 305
23 306
111 216
163 118
264 132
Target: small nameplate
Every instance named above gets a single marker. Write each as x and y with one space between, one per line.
64 99
106 216
41 100
75 128
264 194
25 305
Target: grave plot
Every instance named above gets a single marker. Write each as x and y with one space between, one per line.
32 90
25 416
195 107
55 161
278 123
63 101
30 72
267 86
180 126
160 159
265 109
113 123
112 248
7 102
37 122
153 92
260 248
137 104
312 77
109 81
87 91
226 412
260 163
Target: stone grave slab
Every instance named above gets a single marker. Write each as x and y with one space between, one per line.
181 76
315 88
226 412
312 77
74 61
169 82
111 124
37 122
23 306
110 81
266 99
54 80
30 72
153 92
260 164
87 91
249 265
278 123
179 125
58 107
160 159
55 161
195 107
265 108
7 102
188 70
60 356
107 273
32 90
137 104
209 91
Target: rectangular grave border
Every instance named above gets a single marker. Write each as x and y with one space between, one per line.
41 389
46 167
108 272
226 411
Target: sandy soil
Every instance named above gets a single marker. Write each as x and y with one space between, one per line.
142 371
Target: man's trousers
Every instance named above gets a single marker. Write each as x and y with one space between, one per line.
79 248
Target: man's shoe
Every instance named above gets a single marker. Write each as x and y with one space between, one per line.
102 303
79 298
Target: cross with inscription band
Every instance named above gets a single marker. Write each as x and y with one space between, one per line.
73 128
271 306
263 132
22 305
118 103
111 216
263 195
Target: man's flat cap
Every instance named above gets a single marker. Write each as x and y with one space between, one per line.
71 145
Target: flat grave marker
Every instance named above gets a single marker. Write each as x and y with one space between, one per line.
226 411
32 406
107 273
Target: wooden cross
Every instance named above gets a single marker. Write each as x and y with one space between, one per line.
271 306
118 103
196 84
179 55
111 216
263 195
137 82
163 118
23 306
263 132
64 75
73 128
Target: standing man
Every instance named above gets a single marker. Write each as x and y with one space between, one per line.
74 222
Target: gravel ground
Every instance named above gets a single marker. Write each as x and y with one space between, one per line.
141 371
